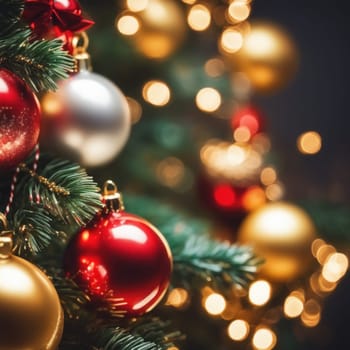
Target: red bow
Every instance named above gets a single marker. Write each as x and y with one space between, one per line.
55 18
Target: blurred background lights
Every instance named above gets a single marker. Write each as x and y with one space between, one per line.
156 93
335 267
136 5
242 134
224 195
253 198
238 330
199 17
231 40
214 67
170 171
323 252
259 292
268 176
264 339
208 99
238 11
274 192
311 315
215 304
177 297
128 25
293 306
135 110
309 142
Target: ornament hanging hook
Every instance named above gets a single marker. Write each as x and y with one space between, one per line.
80 45
113 198
6 242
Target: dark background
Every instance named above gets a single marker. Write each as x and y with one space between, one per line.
317 99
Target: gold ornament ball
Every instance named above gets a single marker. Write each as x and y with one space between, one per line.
31 317
162 28
281 233
268 57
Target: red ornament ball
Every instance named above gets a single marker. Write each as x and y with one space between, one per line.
19 120
250 118
121 255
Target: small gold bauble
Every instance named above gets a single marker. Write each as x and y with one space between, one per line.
31 316
162 29
282 234
268 57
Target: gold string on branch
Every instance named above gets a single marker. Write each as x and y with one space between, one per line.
51 185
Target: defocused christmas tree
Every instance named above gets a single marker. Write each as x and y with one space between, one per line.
213 255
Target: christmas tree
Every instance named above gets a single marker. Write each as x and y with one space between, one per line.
156 220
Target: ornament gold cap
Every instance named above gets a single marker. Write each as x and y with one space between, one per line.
113 198
6 242
82 58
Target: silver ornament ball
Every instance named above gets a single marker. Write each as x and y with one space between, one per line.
86 120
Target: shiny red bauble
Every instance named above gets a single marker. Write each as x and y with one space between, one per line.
250 118
120 256
19 120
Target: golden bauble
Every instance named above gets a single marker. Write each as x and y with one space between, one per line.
162 28
282 234
31 316
268 57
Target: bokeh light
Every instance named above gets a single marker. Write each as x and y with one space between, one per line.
127 25
170 171
136 5
264 339
238 330
335 267
259 292
309 142
208 99
214 67
231 40
268 176
199 17
215 304
311 315
323 252
135 110
242 134
274 192
294 304
156 93
253 198
238 11
178 297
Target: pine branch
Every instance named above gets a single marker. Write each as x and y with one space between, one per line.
76 208
143 334
195 253
10 12
219 263
33 231
39 62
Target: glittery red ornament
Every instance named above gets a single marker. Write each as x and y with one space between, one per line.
19 120
120 256
56 19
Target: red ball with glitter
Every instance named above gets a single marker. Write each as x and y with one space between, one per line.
19 120
120 259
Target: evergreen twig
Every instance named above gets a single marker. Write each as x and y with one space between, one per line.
79 207
39 62
195 253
